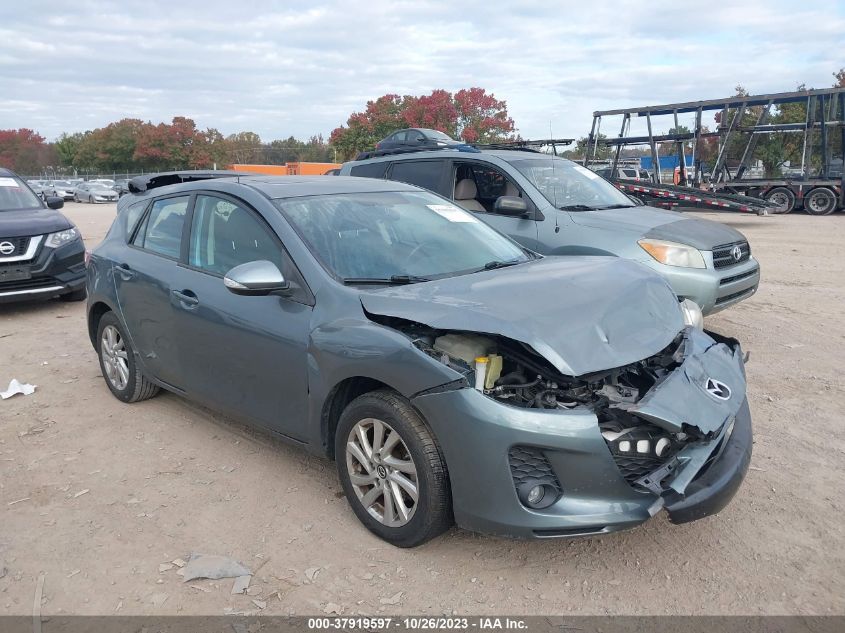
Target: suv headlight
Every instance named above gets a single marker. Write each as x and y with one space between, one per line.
60 238
673 254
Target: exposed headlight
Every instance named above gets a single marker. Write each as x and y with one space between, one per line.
673 254
692 314
54 240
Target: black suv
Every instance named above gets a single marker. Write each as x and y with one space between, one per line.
41 252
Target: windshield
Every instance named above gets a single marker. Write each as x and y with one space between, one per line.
15 195
570 186
376 236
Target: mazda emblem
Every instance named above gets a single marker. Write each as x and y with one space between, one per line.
6 248
717 389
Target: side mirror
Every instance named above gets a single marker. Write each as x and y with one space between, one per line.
54 202
258 278
510 205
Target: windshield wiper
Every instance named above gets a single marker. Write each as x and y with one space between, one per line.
615 206
393 279
500 264
577 207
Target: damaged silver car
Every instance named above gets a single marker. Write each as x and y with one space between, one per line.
453 375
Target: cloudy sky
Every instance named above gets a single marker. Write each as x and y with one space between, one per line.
282 68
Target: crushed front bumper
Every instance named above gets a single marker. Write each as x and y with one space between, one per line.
476 434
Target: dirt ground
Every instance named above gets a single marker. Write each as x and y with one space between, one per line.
96 494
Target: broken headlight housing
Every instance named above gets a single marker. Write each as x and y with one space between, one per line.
60 238
672 253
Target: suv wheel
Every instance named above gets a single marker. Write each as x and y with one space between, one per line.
392 470
117 361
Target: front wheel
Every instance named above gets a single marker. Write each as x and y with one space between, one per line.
392 470
118 364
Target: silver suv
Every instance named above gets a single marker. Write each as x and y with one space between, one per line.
557 207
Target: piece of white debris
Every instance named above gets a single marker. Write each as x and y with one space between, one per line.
198 588
81 492
163 567
213 567
73 573
241 584
16 388
394 599
331 607
179 562
260 604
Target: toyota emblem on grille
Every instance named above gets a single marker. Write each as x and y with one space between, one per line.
717 389
6 248
736 253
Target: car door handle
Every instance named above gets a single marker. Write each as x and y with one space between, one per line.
186 297
125 272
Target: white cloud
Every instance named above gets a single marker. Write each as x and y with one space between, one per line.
279 69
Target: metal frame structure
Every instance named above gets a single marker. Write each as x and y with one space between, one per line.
825 113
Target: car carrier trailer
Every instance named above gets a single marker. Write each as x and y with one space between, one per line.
819 192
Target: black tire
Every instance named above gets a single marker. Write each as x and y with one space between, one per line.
138 387
820 201
76 295
783 196
433 510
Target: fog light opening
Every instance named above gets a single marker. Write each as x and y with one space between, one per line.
537 494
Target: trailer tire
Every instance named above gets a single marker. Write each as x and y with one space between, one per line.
782 197
820 201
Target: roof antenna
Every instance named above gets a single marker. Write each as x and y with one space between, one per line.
554 178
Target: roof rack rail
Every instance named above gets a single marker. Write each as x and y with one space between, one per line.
375 153
139 184
530 145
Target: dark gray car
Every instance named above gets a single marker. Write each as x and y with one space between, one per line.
452 374
557 207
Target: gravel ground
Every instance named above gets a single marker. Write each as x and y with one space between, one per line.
96 495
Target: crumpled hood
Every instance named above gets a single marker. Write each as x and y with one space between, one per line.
662 225
583 314
32 222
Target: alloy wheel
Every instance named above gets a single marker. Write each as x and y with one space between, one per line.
115 357
382 472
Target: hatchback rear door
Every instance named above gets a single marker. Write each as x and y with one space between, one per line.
142 274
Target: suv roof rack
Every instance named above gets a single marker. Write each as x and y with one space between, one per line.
528 145
525 146
375 153
139 184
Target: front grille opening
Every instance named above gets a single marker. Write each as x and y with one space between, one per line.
18 246
733 278
638 448
724 255
734 296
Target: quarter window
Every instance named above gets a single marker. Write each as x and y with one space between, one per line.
370 170
423 173
162 229
225 234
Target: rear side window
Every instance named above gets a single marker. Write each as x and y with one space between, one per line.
423 173
162 229
370 170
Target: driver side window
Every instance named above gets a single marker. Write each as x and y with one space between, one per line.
225 235
477 186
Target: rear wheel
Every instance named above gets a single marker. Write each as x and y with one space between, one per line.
117 361
392 470
783 198
820 201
